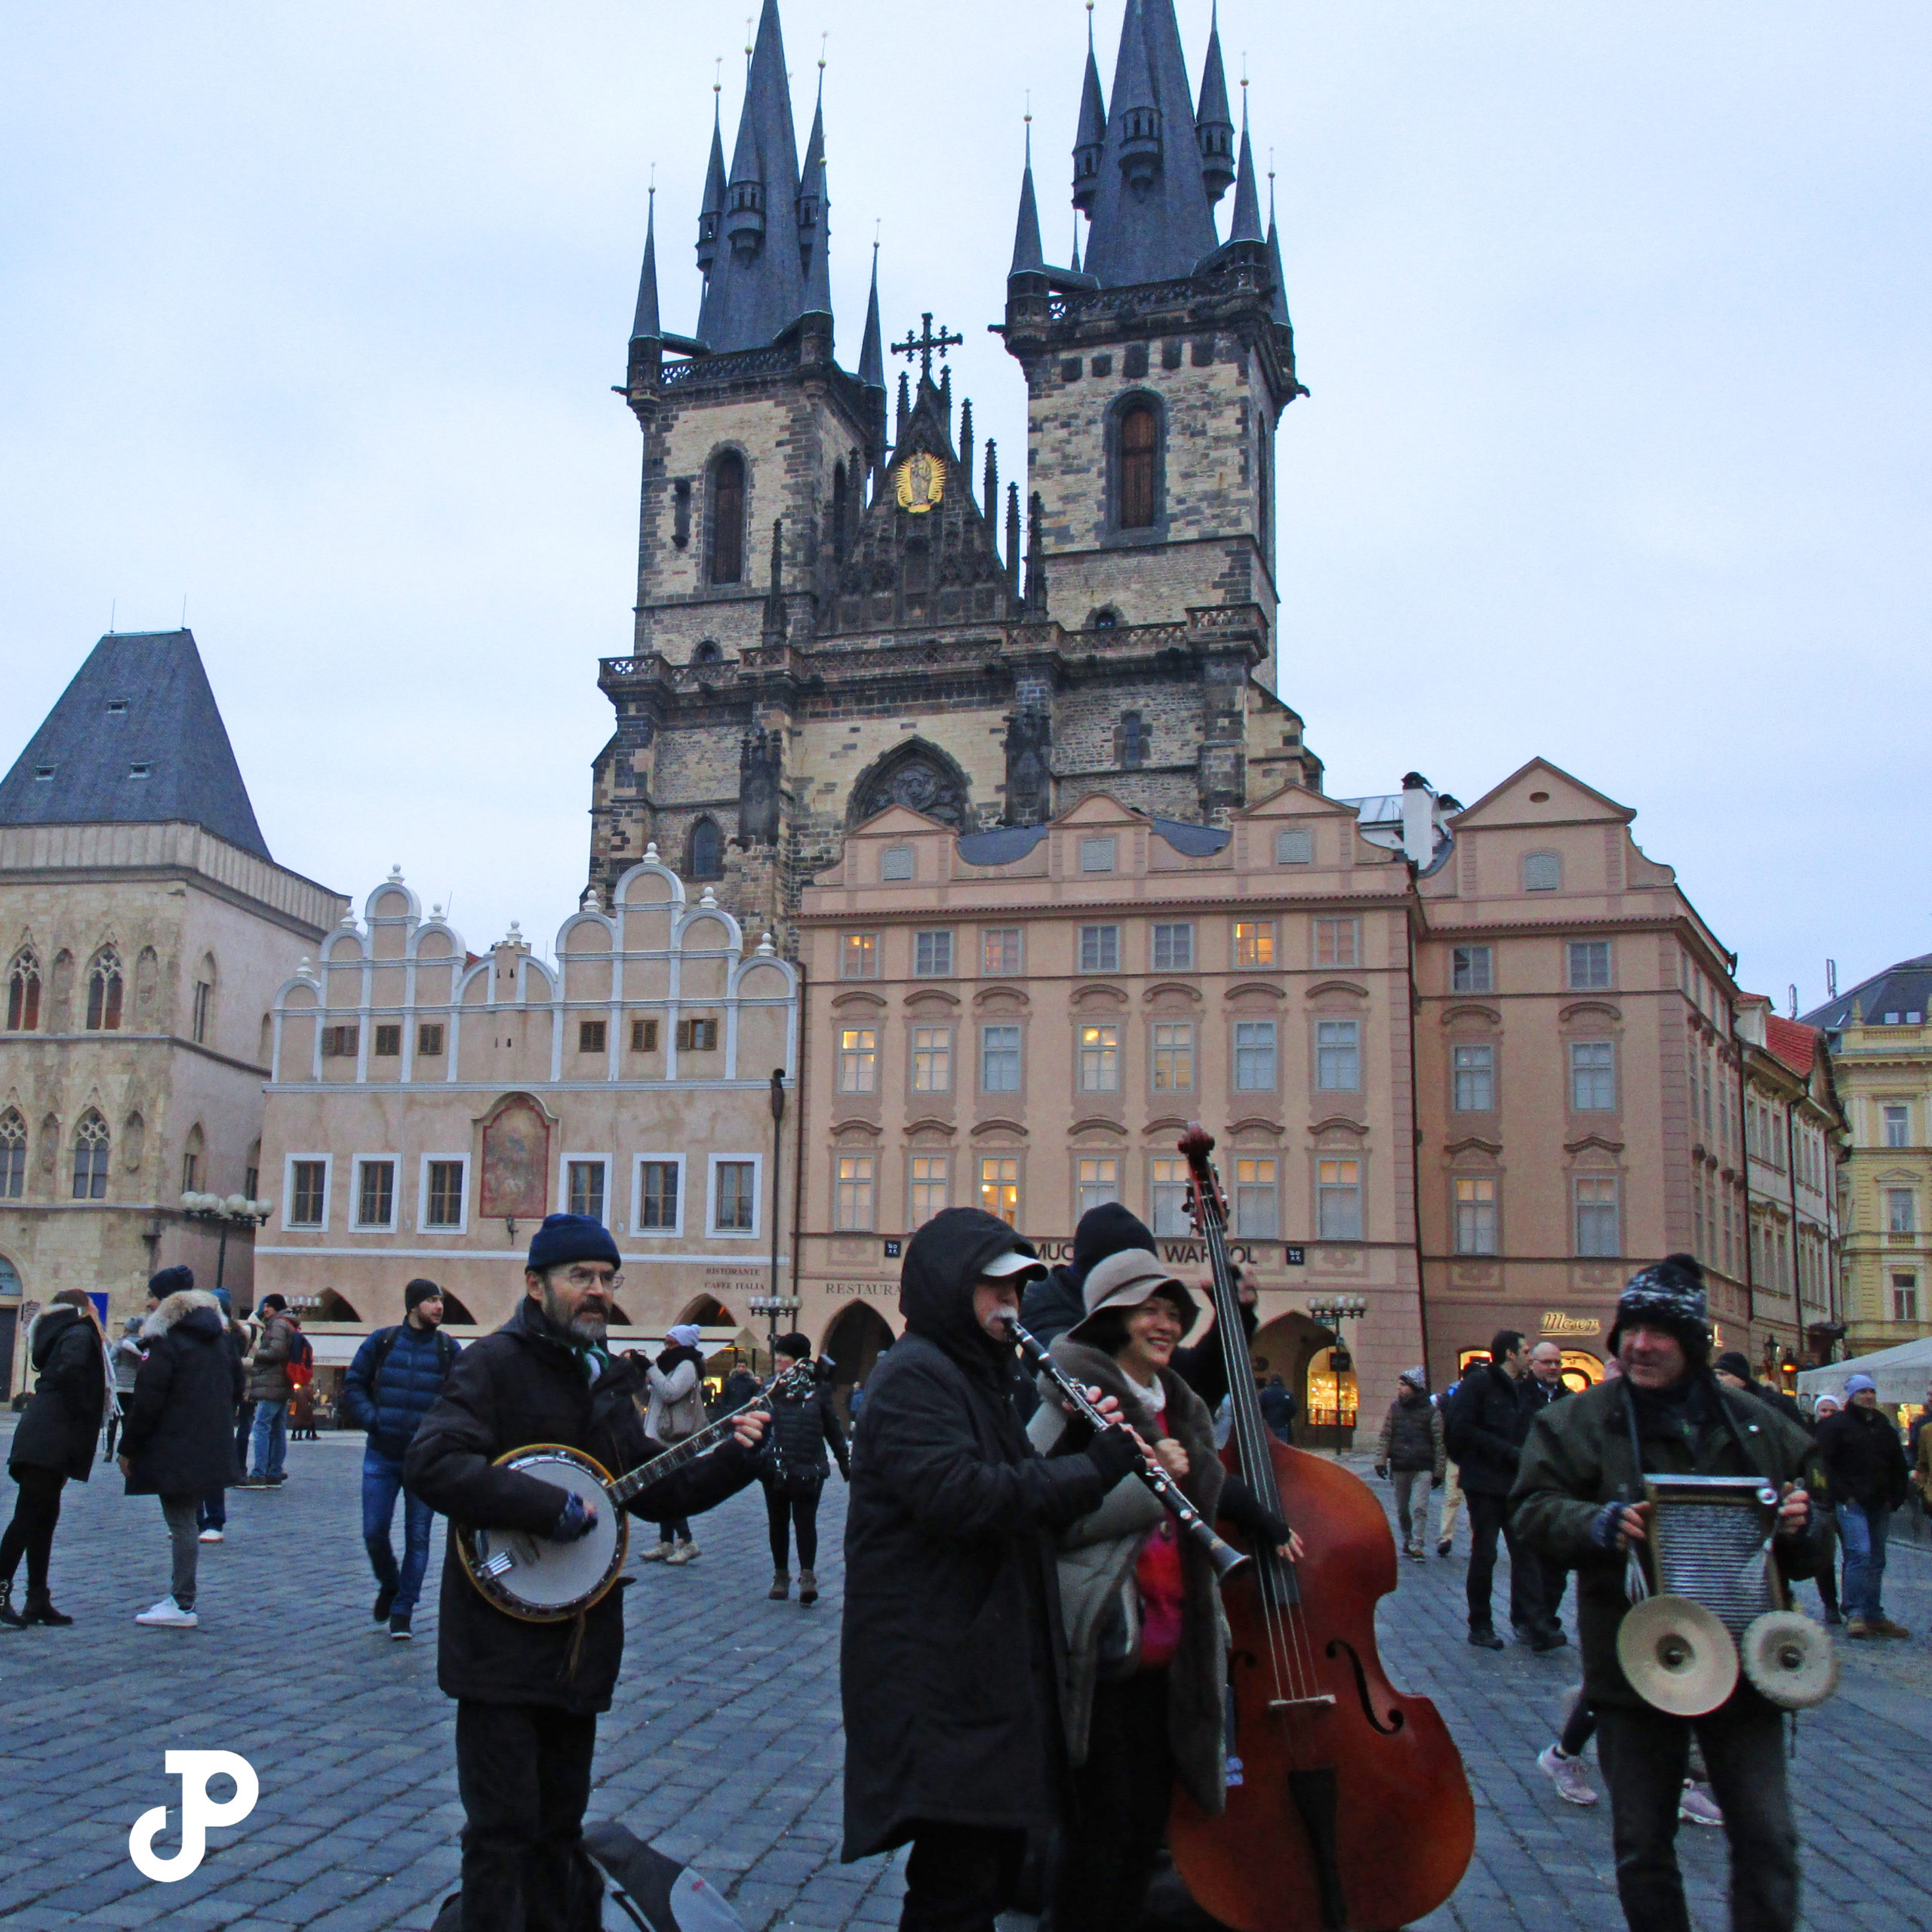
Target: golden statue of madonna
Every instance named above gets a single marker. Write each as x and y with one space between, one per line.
919 482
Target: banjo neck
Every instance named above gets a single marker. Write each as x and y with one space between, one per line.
622 1488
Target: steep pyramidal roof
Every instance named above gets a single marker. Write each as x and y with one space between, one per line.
645 325
1212 125
1028 256
872 352
136 738
1246 226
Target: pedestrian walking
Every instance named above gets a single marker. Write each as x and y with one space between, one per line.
804 1424
1410 1452
211 1514
175 1442
53 1445
1585 1459
675 1410
391 1385
1824 1516
1545 1385
528 1695
740 1387
269 1388
946 1666
1278 1409
1864 1466
123 1354
1733 1369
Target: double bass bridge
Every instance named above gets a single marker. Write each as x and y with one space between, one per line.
1300 1703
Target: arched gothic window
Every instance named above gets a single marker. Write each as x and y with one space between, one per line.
23 992
91 1146
707 851
1132 741
104 985
13 1155
193 1153
1140 466
727 518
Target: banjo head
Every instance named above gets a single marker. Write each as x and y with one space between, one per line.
532 1577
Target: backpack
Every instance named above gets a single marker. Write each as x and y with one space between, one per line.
447 1349
301 1363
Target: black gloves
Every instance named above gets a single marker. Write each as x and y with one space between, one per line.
1113 1454
1241 1506
577 1519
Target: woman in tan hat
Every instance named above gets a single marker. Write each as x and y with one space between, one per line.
1146 1668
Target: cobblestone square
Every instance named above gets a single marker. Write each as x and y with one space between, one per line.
724 1747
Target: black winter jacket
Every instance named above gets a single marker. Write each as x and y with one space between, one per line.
1862 1459
802 1429
179 1432
1485 1426
948 1670
60 1425
394 1381
524 1384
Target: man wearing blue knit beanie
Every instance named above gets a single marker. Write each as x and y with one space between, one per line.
528 1694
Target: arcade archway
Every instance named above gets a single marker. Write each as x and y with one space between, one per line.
1288 1346
857 1337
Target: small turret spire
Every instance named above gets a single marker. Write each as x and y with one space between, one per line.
905 407
989 493
1028 256
871 353
1278 303
712 212
1036 557
644 326
1246 226
1090 141
1213 128
1075 264
966 443
1012 537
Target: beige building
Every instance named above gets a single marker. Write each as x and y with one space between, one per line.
429 1106
1881 1052
144 928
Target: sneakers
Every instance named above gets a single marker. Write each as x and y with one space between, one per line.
1572 1782
1857 1626
399 1626
685 1552
213 1536
168 1615
781 1585
1442 1548
807 1587
276 1482
1885 1627
1695 1806
1485 1639
1415 1552
658 1552
385 1599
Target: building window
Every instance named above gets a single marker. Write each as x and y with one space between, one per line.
1901 1211
999 1059
104 992
590 1036
191 1163
858 1060
586 1188
308 1193
198 1017
707 860
1099 1060
858 956
1173 1057
895 864
1905 1297
1133 742
1589 964
999 1186
1257 1199
1338 1200
13 1155
1173 946
1593 1075
1337 942
1099 1182
443 1207
853 1207
1100 948
932 1060
1254 1056
1474 1069
23 993
1254 942
1338 1055
1168 1187
340 1042
1471 969
388 1041
429 1041
999 950
1096 855
91 1151
697 1036
1596 1215
657 1196
736 1201
375 1194
1543 871
1475 1216
1139 431
1294 847
931 1176
1898 1127
727 518
932 955
644 1036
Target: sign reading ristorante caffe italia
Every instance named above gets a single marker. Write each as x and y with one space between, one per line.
1263 1254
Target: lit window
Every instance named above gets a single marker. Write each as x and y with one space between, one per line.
1543 871
445 1194
1173 946
1294 848
375 1194
1100 1183
91 1151
586 1188
1337 942
854 1204
858 956
1593 1075
1168 1185
1254 942
1099 1060
1338 1055
1100 948
1474 1070
1254 1056
999 1059
1471 969
932 1060
932 955
1173 1057
736 1204
895 863
1596 1217
930 1190
307 1193
1898 1127
1000 949
1475 1216
999 1186
1589 964
858 1060
1338 1200
1257 1200
658 1196
1096 855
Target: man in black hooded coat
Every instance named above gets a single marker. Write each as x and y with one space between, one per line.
946 1669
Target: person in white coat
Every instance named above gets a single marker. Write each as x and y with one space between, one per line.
674 1411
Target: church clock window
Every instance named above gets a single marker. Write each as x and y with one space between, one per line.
1140 466
727 518
707 850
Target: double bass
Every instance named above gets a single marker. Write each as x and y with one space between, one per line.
1352 1811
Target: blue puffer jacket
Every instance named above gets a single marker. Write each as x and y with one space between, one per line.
389 1401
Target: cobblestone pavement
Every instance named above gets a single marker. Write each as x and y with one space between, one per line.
724 1748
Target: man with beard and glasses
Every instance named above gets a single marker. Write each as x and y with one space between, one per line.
528 1695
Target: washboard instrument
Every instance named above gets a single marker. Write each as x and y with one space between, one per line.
1709 1603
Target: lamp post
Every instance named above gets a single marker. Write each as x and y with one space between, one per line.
1331 1312
233 1211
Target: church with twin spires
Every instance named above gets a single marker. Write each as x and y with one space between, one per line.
840 607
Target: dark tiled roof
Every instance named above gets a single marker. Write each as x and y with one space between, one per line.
1885 999
1192 841
1002 846
141 703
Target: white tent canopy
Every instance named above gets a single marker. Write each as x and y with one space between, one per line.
1903 1374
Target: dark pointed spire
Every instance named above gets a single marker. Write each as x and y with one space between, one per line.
1278 305
713 213
1075 264
905 406
989 493
818 273
1139 147
644 326
811 188
1012 537
966 443
775 622
872 352
1028 256
1090 141
945 391
1246 226
1213 128
1036 557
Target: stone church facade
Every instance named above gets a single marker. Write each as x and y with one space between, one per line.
834 616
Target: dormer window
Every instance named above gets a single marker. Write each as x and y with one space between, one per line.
140 768
43 774
117 707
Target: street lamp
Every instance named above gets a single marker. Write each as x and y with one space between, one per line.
224 1211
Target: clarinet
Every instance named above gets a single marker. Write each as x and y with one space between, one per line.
1225 1559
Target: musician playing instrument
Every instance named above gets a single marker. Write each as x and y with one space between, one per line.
947 1661
1576 1502
1146 1665
528 1693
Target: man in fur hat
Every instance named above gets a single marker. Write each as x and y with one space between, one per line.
1576 1502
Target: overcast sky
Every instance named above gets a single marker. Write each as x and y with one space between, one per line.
1615 320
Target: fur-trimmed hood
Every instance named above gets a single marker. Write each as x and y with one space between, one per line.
178 1308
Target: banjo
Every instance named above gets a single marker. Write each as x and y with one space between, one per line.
539 1580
